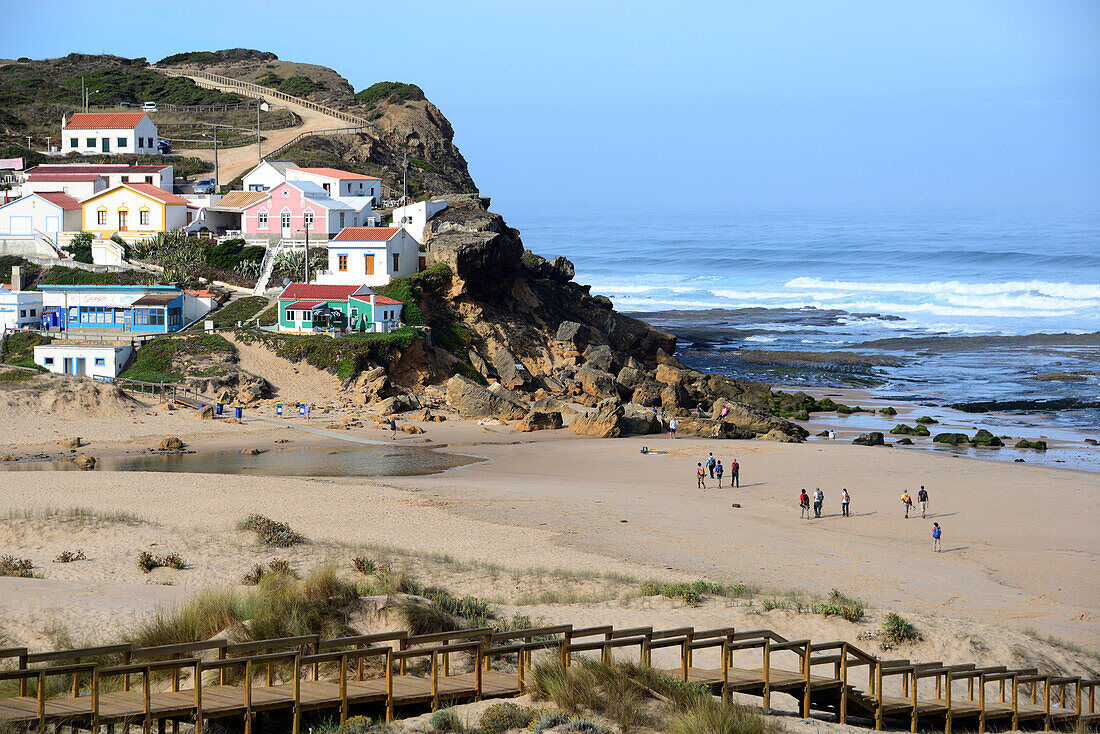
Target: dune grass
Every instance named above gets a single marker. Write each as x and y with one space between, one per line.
84 515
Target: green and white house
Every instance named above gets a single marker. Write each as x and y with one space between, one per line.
311 307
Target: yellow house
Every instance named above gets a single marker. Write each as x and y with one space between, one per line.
134 211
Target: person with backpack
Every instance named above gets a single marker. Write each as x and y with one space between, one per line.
936 533
845 498
718 473
735 474
804 504
922 497
700 476
710 464
906 502
819 500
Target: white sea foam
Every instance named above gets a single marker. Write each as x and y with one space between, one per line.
1076 291
761 339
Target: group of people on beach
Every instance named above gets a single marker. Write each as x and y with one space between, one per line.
818 502
714 468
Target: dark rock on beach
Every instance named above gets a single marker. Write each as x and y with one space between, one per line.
873 438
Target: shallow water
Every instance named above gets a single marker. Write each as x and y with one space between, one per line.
361 461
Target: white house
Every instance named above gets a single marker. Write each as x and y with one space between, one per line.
337 183
115 173
80 186
40 215
371 256
413 217
19 308
90 133
266 176
83 360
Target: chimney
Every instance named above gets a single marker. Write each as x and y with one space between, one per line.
16 278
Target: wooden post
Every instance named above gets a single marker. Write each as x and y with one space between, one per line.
878 689
1015 704
359 664
520 671
146 694
23 681
296 716
198 696
1077 702
767 674
725 672
947 702
1046 703
477 672
95 701
343 689
221 673
126 678
403 644
76 681
981 704
435 681
42 702
913 701
806 681
389 685
843 707
248 696
564 652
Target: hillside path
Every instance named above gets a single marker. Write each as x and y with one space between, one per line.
232 162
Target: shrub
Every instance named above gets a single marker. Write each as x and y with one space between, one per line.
770 604
547 721
446 720
270 532
841 605
425 618
586 725
692 593
242 309
18 567
391 92
618 690
500 717
146 561
365 566
897 629
259 571
80 247
708 716
70 556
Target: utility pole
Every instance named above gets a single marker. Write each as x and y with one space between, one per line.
215 159
305 225
259 155
83 95
404 180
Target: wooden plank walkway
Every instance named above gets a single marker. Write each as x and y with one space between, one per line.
213 679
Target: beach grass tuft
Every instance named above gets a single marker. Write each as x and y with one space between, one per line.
18 567
842 605
708 716
78 514
897 630
271 532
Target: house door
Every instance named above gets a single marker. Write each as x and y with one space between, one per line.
106 145
284 220
80 367
68 365
21 225
122 213
53 225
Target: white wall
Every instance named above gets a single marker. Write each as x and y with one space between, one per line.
194 307
145 130
114 358
20 309
79 190
402 244
31 214
263 177
413 217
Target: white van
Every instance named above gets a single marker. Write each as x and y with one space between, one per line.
149 107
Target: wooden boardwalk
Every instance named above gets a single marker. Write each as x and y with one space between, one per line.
96 688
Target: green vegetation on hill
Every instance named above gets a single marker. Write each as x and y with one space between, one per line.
19 349
391 92
297 85
160 360
347 355
211 57
240 310
61 275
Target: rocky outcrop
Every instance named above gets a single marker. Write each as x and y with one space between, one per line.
471 400
603 422
874 438
171 443
538 420
708 428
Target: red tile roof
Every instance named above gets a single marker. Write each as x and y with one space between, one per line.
62 199
316 290
304 304
62 177
107 120
103 168
336 173
384 301
157 193
366 234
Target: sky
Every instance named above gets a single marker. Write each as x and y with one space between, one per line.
665 105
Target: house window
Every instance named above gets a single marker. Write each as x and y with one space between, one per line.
148 179
175 317
143 216
355 313
368 264
91 143
122 142
396 255
150 143
289 315
99 362
22 313
125 179
34 312
261 220
48 361
122 216
74 143
141 142
342 263
286 220
307 316
308 219
101 217
341 220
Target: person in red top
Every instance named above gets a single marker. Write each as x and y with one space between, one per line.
804 504
735 470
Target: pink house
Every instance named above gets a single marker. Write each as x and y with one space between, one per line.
290 207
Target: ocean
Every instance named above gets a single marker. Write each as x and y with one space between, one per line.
741 287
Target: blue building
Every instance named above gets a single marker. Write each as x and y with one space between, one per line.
138 308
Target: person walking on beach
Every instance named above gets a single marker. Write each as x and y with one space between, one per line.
735 474
819 500
672 428
845 498
393 429
718 473
922 497
710 464
936 537
700 476
699 410
906 502
804 505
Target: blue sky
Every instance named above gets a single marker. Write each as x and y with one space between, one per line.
777 104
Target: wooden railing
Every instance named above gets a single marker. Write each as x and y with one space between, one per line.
196 682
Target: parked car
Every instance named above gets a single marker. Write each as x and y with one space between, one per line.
149 107
163 146
127 105
205 186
